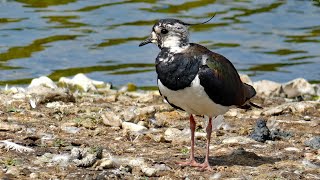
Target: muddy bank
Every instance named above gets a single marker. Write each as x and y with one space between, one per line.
83 129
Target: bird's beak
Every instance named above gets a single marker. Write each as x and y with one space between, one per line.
147 41
151 39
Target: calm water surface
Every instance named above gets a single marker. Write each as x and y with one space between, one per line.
267 39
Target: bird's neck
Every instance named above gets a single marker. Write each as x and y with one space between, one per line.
175 44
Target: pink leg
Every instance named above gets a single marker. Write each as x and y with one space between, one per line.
205 165
191 161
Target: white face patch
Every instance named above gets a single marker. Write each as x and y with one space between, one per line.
154 38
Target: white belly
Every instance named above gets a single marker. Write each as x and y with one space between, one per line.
193 99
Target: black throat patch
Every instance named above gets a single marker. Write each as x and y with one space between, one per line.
176 71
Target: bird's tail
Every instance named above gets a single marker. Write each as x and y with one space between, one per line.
249 92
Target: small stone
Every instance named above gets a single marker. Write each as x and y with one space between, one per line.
232 113
142 123
161 167
70 129
292 149
237 140
133 127
310 164
172 133
215 176
107 163
261 132
307 118
111 119
149 171
313 142
34 175
158 137
136 162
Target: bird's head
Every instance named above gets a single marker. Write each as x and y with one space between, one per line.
167 33
170 33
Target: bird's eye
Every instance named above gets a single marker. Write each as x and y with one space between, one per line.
164 31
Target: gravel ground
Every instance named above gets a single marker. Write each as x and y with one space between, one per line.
109 134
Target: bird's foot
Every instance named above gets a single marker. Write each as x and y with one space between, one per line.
205 167
190 162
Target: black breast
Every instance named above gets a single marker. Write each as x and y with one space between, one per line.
178 72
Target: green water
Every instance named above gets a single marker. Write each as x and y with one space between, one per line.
274 40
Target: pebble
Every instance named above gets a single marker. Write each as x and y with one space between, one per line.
171 133
238 140
313 142
149 171
292 149
215 176
133 127
70 129
111 119
307 118
106 164
34 175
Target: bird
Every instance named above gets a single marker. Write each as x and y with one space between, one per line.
194 79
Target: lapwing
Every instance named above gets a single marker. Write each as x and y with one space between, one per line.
194 79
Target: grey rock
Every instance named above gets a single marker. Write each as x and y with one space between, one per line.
310 164
278 134
298 87
261 132
313 142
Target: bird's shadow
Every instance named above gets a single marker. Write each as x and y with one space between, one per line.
240 157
